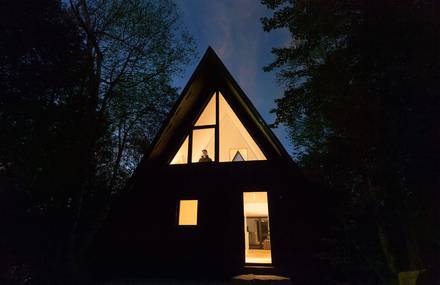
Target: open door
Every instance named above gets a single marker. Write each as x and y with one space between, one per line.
256 228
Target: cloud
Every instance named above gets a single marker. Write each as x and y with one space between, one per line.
233 29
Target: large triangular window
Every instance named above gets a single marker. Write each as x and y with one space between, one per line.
218 135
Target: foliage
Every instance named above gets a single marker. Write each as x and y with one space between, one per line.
133 48
84 87
361 101
40 72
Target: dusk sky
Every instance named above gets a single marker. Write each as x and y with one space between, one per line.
233 29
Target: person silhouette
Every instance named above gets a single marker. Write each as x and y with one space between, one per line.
205 157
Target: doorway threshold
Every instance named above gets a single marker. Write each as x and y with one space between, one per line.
261 279
259 269
259 265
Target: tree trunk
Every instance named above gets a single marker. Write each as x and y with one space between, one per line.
386 249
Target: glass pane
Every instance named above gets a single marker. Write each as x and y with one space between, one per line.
181 156
208 115
234 136
203 145
238 154
256 228
188 212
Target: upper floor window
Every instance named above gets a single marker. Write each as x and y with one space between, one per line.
218 135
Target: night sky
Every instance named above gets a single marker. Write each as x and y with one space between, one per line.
233 29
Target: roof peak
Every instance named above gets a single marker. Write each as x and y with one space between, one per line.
209 76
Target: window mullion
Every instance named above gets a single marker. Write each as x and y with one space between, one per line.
217 139
190 140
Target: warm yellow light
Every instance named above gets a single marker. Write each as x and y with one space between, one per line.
203 139
234 137
257 241
188 212
208 115
181 156
235 142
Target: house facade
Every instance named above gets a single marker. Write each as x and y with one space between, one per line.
216 194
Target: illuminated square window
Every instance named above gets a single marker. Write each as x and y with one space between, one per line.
188 212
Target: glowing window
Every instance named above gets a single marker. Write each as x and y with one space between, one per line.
208 115
234 137
257 242
188 212
235 142
203 139
181 156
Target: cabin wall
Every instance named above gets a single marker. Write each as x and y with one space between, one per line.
142 237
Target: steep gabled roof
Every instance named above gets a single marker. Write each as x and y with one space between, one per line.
209 76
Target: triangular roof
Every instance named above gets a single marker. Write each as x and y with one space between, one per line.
209 76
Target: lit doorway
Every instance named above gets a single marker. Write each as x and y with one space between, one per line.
256 228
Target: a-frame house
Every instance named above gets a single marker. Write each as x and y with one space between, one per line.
216 193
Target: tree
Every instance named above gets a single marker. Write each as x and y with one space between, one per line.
85 86
133 48
361 102
41 60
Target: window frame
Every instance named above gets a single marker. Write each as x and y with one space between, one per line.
216 127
